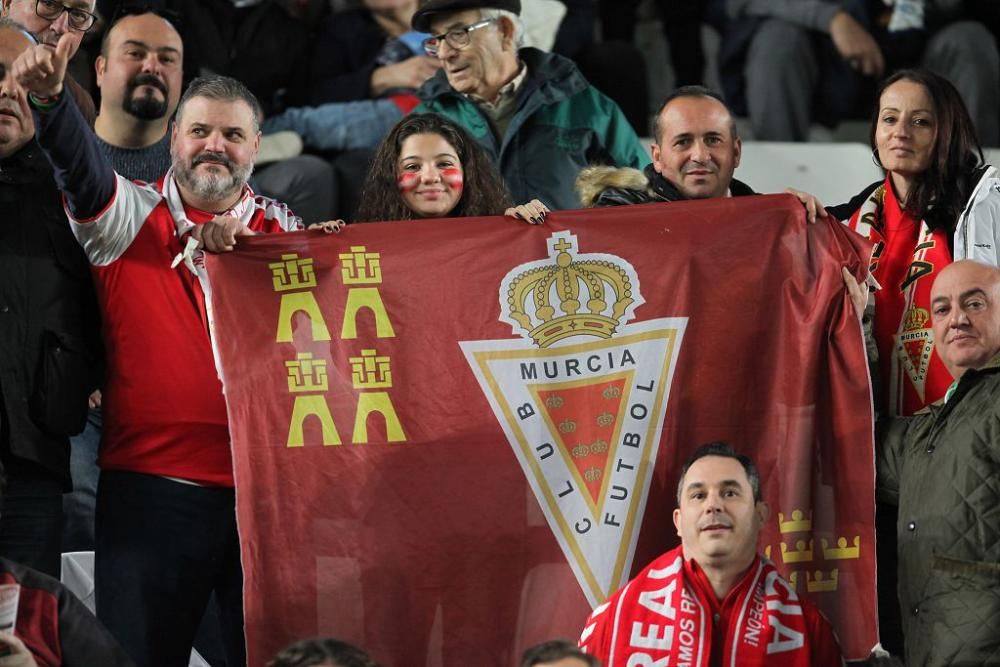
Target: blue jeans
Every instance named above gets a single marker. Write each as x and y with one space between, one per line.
338 126
78 506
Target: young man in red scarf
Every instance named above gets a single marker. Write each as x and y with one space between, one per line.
713 600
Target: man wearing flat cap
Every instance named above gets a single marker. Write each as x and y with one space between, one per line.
532 111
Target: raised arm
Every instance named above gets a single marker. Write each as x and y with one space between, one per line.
81 170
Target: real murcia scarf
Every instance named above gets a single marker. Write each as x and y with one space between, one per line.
191 255
663 618
907 258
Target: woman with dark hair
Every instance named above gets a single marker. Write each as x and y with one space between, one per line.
429 167
939 203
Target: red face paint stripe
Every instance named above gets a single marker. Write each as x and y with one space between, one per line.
453 176
408 182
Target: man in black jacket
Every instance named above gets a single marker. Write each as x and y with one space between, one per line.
49 331
696 151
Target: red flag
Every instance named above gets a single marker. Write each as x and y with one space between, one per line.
452 438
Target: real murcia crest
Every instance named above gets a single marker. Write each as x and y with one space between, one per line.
582 398
914 347
589 295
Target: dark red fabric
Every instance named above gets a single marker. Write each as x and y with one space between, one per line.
37 621
55 626
437 550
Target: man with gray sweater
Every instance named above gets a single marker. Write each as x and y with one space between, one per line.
139 73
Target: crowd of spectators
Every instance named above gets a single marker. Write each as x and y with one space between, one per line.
216 118
333 83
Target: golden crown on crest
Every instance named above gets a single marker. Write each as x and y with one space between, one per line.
572 297
916 318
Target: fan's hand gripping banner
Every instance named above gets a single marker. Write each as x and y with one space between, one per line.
453 438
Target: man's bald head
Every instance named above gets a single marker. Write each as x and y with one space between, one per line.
140 68
695 92
965 312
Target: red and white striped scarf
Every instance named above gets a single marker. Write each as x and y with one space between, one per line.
907 258
664 617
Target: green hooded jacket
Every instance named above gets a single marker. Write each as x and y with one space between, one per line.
561 125
943 470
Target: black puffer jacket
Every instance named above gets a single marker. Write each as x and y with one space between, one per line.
600 186
50 347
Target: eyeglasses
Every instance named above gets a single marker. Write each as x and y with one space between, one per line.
79 20
457 38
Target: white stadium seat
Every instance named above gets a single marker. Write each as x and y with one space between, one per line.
834 172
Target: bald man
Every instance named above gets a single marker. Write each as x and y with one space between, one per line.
943 470
139 73
696 152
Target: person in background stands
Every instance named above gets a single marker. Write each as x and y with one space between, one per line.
48 20
429 167
535 114
794 61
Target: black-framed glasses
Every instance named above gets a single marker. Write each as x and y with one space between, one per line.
79 19
457 38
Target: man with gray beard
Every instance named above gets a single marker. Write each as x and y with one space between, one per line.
139 72
166 522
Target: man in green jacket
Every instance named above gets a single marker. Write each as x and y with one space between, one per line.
532 111
943 469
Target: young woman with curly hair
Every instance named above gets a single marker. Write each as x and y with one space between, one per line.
429 167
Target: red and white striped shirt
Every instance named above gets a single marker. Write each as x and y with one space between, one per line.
164 409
